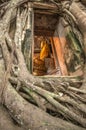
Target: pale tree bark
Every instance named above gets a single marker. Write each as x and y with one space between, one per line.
80 15
15 74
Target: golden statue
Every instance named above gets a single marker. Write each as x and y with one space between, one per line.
39 62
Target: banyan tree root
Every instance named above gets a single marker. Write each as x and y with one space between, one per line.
31 117
55 100
55 94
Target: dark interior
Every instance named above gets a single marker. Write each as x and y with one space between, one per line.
43 55
47 58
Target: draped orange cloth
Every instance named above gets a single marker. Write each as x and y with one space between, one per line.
45 50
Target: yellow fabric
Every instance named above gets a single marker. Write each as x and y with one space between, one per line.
45 50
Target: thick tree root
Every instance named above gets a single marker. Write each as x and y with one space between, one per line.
57 94
30 116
